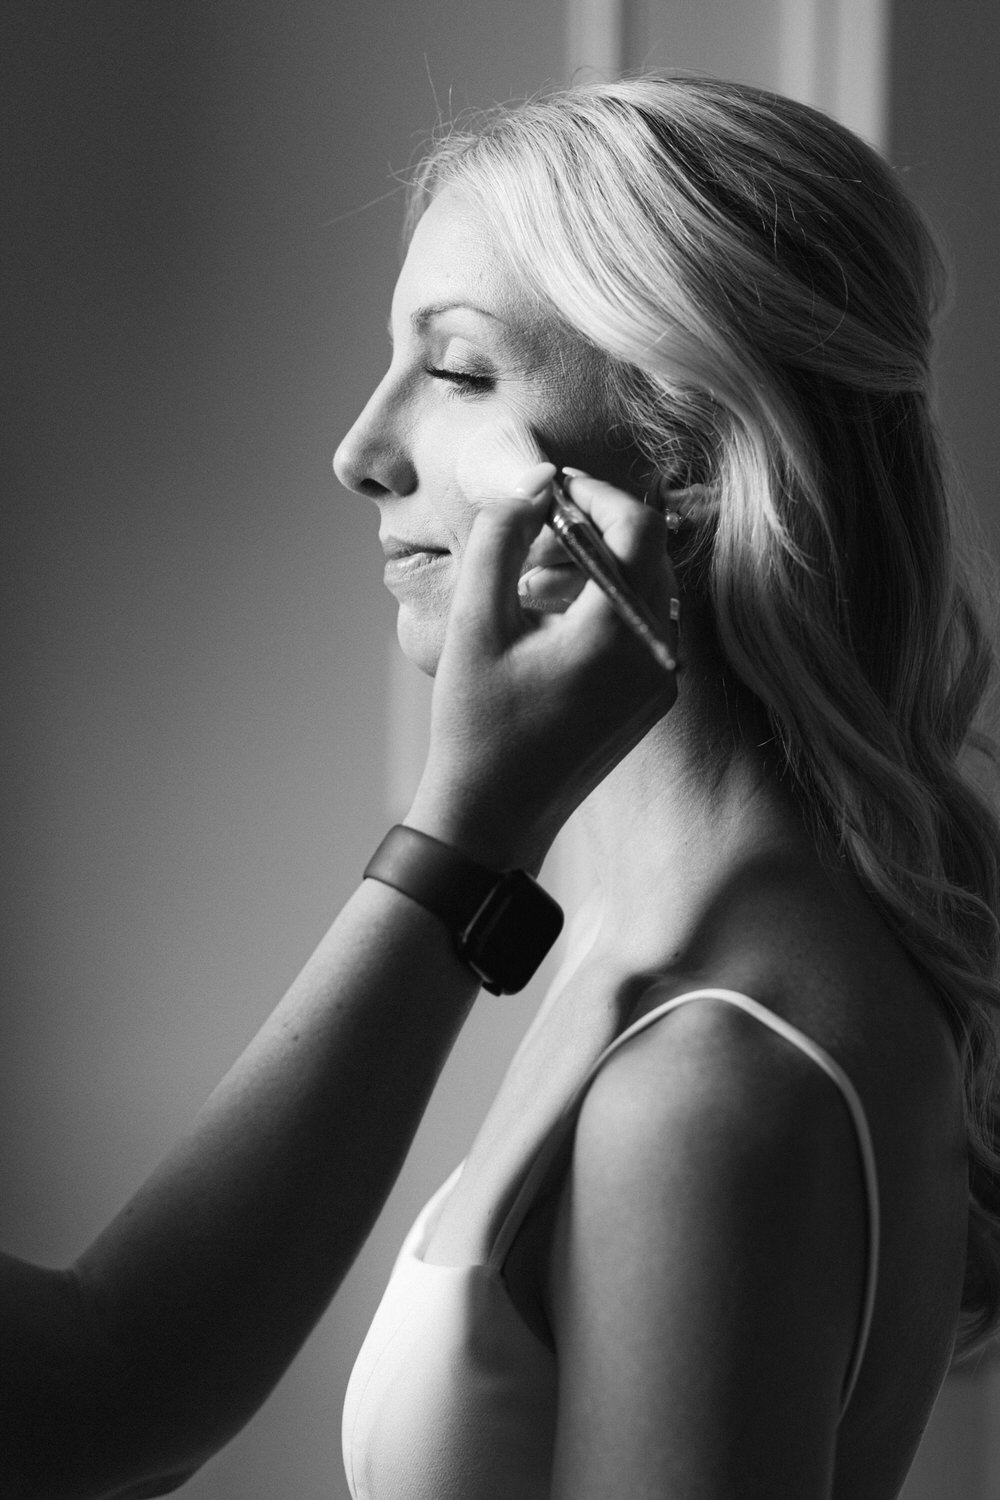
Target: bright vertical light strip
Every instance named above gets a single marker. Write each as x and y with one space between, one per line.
799 50
408 732
862 69
595 36
835 54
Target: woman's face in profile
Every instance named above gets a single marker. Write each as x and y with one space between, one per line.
475 359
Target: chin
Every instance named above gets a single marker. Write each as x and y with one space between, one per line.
420 639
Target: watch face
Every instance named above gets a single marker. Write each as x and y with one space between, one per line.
511 933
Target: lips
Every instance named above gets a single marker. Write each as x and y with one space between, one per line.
548 579
396 547
413 567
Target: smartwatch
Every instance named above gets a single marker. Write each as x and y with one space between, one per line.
502 925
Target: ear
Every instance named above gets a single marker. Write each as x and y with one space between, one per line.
681 506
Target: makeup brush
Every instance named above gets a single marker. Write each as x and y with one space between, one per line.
593 556
492 469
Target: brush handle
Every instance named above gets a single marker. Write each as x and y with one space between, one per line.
592 554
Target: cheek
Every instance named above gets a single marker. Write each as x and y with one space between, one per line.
586 430
456 513
489 463
438 465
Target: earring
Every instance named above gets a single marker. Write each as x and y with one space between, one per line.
658 495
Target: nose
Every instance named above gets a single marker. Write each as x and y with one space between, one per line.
373 459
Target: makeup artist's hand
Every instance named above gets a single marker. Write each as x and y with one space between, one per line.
531 710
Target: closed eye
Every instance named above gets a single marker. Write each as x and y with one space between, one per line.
463 380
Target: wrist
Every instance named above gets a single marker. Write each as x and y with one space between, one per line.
502 922
483 834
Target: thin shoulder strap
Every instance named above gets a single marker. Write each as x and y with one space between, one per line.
555 1139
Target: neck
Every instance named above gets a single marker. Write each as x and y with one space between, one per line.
696 806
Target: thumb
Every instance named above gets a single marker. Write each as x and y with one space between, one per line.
486 598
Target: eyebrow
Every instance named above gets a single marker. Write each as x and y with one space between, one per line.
424 315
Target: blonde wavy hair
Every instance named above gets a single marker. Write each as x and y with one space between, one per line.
761 293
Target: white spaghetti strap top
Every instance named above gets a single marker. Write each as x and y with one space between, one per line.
453 1397
542 1162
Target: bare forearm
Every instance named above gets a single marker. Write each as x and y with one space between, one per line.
200 1292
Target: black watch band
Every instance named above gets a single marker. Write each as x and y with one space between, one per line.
503 925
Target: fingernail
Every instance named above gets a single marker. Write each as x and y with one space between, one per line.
536 480
575 473
538 589
539 604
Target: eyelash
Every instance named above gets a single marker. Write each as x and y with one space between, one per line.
462 380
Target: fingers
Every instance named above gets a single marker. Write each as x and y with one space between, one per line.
638 537
513 569
636 533
498 543
551 588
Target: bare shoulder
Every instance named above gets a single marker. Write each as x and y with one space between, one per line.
709 1132
711 1077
